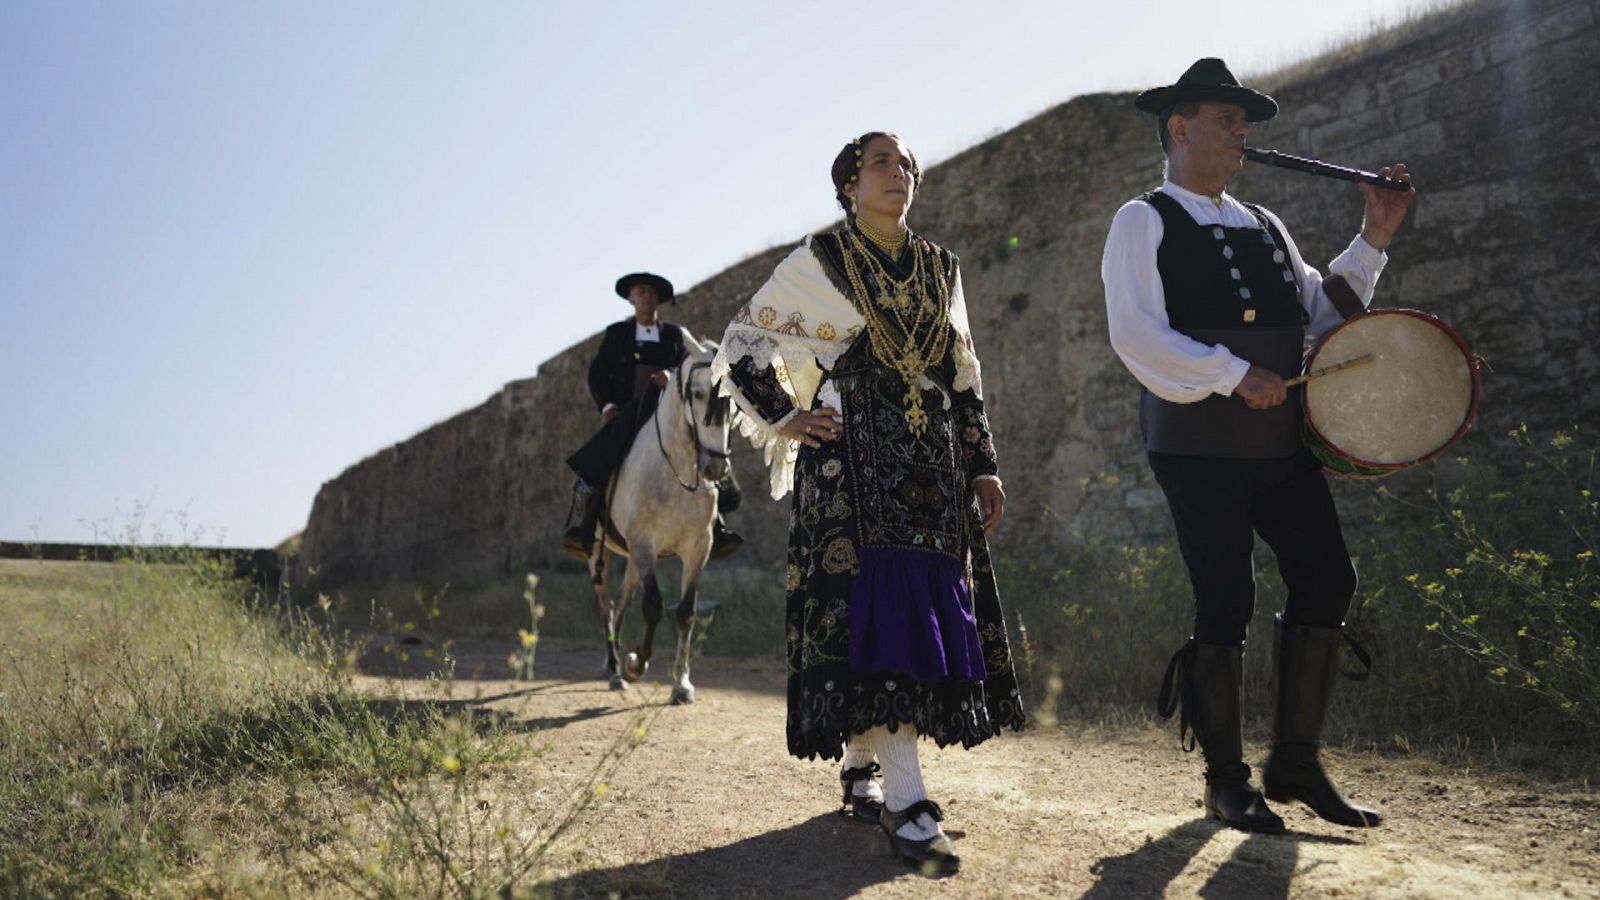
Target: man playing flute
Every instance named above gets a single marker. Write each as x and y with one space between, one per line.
1209 305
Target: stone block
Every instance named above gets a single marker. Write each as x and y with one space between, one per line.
1412 111
1452 208
1433 278
1355 99
1410 80
1348 129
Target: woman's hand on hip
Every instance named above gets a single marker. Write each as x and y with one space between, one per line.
991 500
814 427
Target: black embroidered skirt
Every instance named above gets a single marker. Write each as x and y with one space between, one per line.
882 497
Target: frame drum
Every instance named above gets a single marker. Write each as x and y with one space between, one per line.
1415 399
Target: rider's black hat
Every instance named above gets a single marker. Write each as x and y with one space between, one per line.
663 287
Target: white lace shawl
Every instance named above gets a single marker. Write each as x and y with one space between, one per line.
799 324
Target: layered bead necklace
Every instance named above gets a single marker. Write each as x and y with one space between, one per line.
890 244
908 331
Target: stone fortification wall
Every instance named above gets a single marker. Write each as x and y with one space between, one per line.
1488 105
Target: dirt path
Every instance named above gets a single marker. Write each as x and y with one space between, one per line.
709 804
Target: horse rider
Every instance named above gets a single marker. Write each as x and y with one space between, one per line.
1209 304
626 378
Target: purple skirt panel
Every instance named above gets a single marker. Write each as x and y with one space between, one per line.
911 613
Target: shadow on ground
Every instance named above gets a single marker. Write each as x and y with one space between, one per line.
1261 868
780 863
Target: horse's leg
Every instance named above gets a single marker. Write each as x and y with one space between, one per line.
682 687
619 610
606 612
642 560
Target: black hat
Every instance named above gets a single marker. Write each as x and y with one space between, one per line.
663 287
1208 79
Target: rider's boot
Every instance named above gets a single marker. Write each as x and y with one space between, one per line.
724 541
578 540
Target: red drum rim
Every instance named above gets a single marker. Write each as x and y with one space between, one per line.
1466 421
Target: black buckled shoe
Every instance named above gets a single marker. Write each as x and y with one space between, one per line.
934 857
862 809
724 542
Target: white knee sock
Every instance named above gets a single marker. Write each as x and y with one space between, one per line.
902 778
858 754
858 751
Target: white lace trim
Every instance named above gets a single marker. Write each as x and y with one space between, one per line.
800 294
780 452
969 375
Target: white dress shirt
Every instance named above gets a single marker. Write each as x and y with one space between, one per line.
1174 366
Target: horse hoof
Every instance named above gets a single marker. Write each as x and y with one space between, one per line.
633 668
617 684
682 695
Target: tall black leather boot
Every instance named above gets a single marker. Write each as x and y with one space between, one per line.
578 540
1307 665
1214 693
724 540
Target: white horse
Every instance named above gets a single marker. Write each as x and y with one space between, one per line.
663 501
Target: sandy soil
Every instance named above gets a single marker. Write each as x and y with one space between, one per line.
709 804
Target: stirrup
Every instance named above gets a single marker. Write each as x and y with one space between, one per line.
863 809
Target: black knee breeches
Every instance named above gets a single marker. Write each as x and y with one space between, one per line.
1219 505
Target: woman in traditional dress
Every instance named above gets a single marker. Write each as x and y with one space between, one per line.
854 367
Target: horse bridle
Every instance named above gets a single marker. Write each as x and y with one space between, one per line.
716 415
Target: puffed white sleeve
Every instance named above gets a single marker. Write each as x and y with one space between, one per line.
1172 365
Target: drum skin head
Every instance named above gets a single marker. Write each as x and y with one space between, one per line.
1412 401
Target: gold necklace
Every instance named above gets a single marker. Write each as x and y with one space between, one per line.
890 244
904 353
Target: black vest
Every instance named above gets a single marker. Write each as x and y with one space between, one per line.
650 357
1233 287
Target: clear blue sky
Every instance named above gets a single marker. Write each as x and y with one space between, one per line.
244 245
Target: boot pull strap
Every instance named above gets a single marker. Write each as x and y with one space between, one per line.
1362 656
1177 689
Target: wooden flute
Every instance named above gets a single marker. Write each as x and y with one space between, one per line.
1326 170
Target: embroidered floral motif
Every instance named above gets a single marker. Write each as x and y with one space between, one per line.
826 331
838 507
793 326
977 445
794 578
767 316
839 557
831 468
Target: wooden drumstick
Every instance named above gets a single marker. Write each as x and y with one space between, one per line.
1329 370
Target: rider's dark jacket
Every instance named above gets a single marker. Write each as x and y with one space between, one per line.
614 374
620 375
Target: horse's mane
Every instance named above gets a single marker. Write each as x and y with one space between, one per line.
696 347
